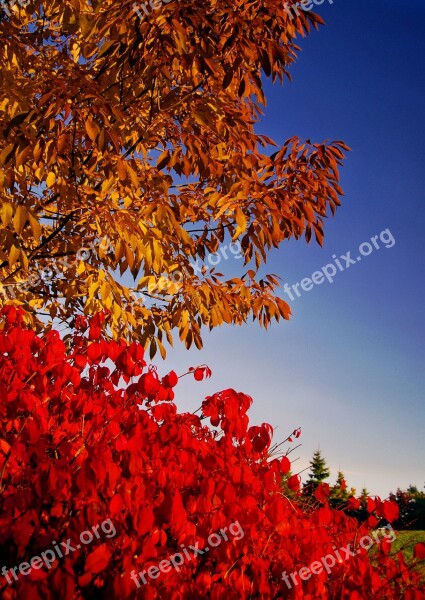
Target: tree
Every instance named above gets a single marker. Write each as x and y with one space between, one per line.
76 452
411 504
318 472
129 151
413 489
364 494
339 491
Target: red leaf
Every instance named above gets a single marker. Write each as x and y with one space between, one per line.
149 384
116 504
98 560
419 551
94 351
353 503
285 465
294 482
94 332
171 379
200 372
322 492
80 360
4 446
391 510
325 515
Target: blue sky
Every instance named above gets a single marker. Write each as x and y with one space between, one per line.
349 366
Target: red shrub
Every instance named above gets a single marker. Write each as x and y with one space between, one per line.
75 451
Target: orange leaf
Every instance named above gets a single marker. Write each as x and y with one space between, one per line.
92 129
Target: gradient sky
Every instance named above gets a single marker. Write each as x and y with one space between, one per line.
349 366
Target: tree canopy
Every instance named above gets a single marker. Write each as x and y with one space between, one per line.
139 139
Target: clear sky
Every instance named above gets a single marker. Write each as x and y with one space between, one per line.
349 366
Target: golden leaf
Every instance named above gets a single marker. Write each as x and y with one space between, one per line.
19 219
14 254
50 179
6 213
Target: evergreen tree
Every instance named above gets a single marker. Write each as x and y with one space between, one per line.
318 472
340 481
413 489
364 494
339 491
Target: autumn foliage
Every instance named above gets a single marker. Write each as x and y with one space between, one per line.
91 432
139 139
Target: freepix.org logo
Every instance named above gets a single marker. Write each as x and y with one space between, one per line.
176 560
293 10
154 5
385 239
48 557
330 560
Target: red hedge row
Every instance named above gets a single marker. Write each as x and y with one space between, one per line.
76 451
